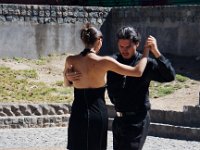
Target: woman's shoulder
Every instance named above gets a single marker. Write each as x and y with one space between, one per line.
106 58
71 57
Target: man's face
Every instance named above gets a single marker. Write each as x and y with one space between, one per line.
127 48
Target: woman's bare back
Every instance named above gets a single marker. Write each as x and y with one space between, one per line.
92 68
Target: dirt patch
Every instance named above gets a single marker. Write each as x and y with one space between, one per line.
189 67
52 71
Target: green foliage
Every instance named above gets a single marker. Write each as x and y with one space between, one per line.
181 78
19 60
162 89
40 61
28 73
16 87
59 83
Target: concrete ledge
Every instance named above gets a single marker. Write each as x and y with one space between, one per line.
174 132
189 117
170 131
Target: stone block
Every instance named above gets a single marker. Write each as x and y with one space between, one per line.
1 121
46 120
8 121
35 109
7 110
27 120
40 121
2 18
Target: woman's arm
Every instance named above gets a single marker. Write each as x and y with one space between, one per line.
140 67
137 71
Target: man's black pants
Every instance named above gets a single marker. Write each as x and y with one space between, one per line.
130 132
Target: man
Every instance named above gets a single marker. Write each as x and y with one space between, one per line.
130 95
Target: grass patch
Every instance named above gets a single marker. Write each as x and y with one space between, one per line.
39 62
28 74
16 86
162 89
21 86
181 78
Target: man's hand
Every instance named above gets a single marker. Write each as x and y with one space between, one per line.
152 44
72 74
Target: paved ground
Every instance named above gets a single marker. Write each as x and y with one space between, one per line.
56 139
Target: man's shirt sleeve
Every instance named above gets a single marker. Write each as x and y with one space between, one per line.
162 70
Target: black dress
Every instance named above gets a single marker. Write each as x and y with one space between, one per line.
89 120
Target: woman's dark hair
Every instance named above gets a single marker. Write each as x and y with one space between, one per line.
90 34
128 33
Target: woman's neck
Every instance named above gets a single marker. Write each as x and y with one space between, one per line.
91 49
87 51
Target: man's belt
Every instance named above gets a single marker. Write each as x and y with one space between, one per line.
123 114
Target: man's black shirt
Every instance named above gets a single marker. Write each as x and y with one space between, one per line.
131 94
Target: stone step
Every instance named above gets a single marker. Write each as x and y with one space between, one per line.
174 132
189 117
170 131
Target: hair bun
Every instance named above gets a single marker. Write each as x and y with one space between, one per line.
89 34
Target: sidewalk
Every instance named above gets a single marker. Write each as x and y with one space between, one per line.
56 139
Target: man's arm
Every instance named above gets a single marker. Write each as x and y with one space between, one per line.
72 74
152 43
162 68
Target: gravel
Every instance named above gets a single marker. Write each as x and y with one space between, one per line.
56 139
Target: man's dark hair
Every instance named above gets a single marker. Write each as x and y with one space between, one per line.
128 33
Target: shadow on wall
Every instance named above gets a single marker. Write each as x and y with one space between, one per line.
185 65
40 40
107 47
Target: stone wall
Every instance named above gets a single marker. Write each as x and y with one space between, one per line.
34 121
33 115
10 113
32 31
177 28
33 109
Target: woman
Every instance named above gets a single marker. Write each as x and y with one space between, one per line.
88 122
